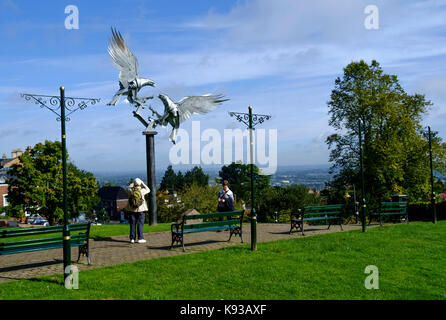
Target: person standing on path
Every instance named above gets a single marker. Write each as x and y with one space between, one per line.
137 208
225 200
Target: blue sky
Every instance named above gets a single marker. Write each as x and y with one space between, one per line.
282 57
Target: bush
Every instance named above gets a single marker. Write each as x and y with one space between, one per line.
423 211
283 201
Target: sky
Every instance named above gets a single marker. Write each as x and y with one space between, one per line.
281 57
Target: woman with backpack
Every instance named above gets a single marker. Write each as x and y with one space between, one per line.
137 208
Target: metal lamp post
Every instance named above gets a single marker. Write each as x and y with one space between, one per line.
361 155
434 209
251 120
71 105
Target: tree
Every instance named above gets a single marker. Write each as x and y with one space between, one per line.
36 184
395 148
284 200
169 180
239 178
177 181
196 176
202 198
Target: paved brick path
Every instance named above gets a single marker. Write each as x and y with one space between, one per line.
117 249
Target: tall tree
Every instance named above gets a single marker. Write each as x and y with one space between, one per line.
395 149
36 183
169 180
177 181
239 178
196 176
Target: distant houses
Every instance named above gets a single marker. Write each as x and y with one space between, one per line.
5 165
113 200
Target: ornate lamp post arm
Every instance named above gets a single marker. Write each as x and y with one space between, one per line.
251 120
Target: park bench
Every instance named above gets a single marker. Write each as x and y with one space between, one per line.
232 221
326 213
397 209
18 246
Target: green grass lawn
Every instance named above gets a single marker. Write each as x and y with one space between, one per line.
98 231
411 260
104 231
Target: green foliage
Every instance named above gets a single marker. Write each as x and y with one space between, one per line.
177 181
195 176
239 178
395 148
202 198
283 200
37 184
103 216
168 208
169 180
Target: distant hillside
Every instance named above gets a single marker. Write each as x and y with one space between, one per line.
307 175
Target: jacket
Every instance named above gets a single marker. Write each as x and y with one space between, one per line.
144 190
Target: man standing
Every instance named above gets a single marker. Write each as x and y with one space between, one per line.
225 200
137 208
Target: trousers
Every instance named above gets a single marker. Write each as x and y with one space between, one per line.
136 224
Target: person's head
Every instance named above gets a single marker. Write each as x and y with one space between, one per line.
225 185
137 182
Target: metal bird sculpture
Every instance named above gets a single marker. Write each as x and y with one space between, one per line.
129 80
178 112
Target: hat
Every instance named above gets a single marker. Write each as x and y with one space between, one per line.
138 181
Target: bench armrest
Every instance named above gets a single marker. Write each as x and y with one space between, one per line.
174 225
298 214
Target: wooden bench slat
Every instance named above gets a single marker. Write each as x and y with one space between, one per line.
77 237
316 218
208 229
213 215
211 224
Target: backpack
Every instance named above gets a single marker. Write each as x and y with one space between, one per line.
135 199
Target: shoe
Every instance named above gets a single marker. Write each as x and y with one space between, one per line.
132 241
142 241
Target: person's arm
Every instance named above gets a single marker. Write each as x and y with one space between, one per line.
230 202
145 187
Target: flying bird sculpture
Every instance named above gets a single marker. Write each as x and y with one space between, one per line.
130 83
178 112
129 80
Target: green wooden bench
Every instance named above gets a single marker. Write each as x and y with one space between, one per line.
19 246
326 213
398 209
233 223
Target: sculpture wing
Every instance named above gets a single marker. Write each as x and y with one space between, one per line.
198 104
122 58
